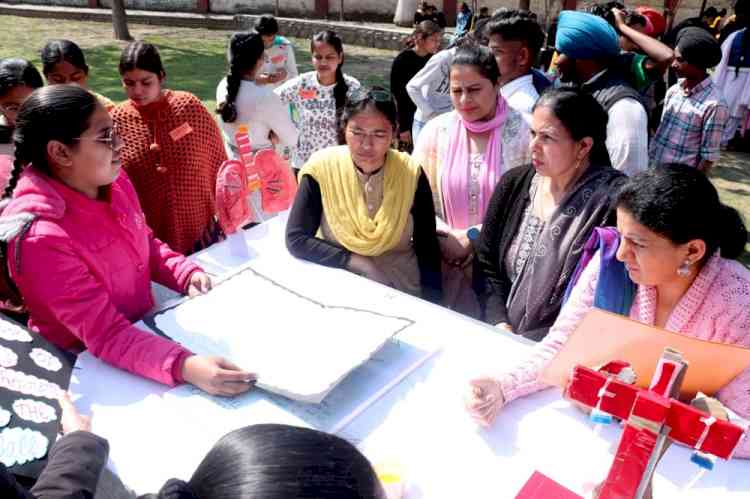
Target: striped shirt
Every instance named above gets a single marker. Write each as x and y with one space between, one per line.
691 126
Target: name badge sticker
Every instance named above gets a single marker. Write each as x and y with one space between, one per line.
181 131
308 93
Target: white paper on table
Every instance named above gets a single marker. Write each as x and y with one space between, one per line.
299 347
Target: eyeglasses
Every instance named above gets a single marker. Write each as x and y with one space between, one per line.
112 139
361 135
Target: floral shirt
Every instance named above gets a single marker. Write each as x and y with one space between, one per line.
315 106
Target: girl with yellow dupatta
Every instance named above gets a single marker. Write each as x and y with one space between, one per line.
366 207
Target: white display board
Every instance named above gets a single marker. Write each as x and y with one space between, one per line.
418 424
297 346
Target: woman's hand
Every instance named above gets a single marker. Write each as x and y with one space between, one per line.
484 400
365 266
216 376
455 247
70 419
200 283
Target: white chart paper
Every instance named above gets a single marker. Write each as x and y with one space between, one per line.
299 347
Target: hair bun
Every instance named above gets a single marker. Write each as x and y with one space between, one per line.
732 232
176 489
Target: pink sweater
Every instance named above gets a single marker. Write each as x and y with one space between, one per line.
715 308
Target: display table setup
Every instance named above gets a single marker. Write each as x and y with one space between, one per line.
385 370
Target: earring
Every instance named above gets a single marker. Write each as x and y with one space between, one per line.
684 269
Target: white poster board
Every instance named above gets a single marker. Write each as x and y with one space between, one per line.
298 346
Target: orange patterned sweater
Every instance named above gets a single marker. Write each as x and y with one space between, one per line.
172 152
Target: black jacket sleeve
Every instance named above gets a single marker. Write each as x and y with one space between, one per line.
425 242
490 281
73 468
9 487
303 224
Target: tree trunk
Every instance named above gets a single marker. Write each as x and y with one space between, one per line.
341 11
524 4
405 10
120 21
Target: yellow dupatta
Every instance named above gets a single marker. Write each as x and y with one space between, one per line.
344 202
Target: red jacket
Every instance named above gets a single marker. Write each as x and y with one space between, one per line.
84 269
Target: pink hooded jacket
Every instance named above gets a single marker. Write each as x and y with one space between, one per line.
84 269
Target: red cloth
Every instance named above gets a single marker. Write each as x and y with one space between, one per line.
172 152
85 268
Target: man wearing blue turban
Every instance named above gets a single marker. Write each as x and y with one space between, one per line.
588 49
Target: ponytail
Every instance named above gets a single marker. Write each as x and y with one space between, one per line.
245 50
731 232
340 90
227 109
15 174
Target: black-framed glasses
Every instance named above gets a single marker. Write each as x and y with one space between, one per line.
112 139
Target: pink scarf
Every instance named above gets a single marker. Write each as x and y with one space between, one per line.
456 176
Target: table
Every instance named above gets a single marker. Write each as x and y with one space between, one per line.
420 425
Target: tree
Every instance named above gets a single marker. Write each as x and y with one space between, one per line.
120 21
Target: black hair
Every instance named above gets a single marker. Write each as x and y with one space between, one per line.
711 12
422 31
582 116
143 56
331 38
276 461
377 99
635 18
481 58
680 203
520 28
245 50
604 10
16 73
56 112
267 25
57 51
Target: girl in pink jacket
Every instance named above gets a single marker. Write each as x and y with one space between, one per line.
79 249
678 243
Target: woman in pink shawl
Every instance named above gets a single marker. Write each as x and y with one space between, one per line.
464 153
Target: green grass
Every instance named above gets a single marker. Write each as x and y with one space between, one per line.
195 61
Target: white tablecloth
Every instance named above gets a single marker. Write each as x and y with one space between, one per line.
419 426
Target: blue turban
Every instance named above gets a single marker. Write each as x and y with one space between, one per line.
585 36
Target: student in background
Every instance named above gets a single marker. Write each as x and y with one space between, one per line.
588 49
243 102
273 461
319 96
279 63
421 45
463 20
465 153
515 41
63 62
18 78
172 151
695 113
732 77
80 252
681 256
366 207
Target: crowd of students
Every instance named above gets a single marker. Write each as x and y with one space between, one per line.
506 175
